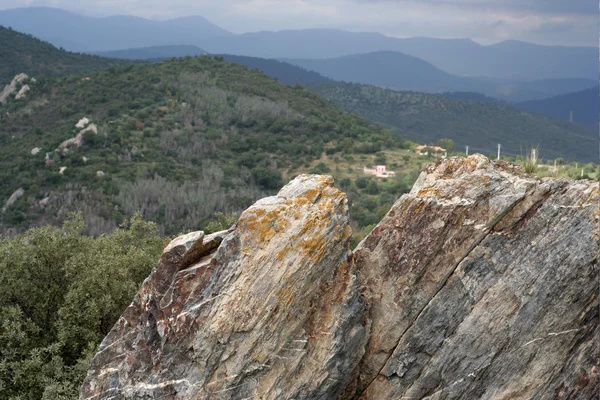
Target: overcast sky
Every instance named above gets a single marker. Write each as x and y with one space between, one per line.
565 22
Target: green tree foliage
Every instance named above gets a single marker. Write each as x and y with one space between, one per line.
427 118
447 144
60 293
177 141
220 222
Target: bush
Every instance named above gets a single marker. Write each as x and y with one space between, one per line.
267 179
372 187
60 294
320 168
361 182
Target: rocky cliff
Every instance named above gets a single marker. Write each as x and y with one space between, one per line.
482 283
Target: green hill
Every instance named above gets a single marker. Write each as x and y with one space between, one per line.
583 104
178 141
480 125
153 53
286 73
20 52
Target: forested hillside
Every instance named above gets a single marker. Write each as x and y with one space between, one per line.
479 124
286 73
153 53
177 141
22 53
583 104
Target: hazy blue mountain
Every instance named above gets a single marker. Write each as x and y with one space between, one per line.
543 88
81 33
584 105
472 96
462 57
384 68
286 73
153 53
402 72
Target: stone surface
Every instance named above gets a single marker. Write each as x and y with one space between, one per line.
481 283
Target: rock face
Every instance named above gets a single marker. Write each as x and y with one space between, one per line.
274 312
482 283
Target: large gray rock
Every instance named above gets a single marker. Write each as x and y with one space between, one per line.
274 312
482 283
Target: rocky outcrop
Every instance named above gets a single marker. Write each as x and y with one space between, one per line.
483 284
22 92
479 284
12 88
273 312
77 141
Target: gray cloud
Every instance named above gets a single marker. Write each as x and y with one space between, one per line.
566 22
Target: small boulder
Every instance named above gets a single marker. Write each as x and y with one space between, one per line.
35 150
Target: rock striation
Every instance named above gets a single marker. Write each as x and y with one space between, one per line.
481 283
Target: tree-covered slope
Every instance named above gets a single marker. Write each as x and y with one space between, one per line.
177 141
383 68
22 53
583 104
153 52
480 125
286 73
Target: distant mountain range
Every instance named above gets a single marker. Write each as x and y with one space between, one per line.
402 72
384 68
460 57
583 104
81 33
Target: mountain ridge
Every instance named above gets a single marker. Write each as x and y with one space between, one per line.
397 70
107 33
461 57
